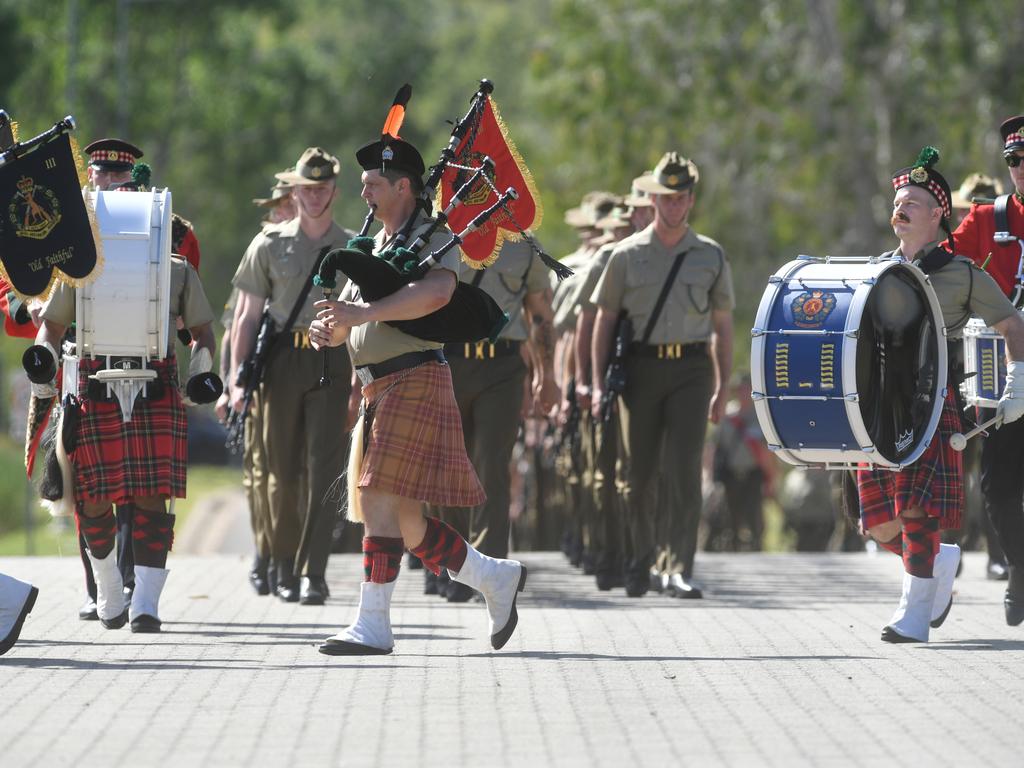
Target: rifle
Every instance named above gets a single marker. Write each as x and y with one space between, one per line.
570 431
250 373
615 375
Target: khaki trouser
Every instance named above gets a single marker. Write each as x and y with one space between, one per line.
304 440
608 529
664 421
254 480
489 394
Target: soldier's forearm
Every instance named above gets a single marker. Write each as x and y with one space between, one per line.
584 340
600 349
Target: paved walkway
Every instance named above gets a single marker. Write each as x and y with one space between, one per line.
780 665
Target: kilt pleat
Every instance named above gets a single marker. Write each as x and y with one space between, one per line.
416 447
934 483
118 461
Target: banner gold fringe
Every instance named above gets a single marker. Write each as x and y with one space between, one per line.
90 208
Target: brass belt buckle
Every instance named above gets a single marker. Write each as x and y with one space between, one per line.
670 351
300 340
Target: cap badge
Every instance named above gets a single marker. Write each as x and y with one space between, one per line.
387 154
672 179
316 171
919 175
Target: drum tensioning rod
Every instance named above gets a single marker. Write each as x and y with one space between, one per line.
958 442
821 398
800 332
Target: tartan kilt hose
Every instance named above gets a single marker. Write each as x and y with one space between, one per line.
934 483
117 461
415 446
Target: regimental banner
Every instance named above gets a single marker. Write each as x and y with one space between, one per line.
46 231
490 139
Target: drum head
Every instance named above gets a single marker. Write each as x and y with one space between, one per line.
897 364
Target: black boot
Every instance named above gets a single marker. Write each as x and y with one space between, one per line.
258 575
1014 601
287 581
429 582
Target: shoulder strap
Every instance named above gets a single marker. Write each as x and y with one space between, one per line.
935 260
662 296
297 306
478 278
1002 219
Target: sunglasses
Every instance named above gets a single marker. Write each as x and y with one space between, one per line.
1013 160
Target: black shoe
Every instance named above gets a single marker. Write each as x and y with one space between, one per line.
88 610
589 564
656 583
429 582
313 590
997 571
332 647
258 575
443 582
117 622
1014 600
414 563
677 586
144 624
6 643
890 635
607 580
458 592
637 587
288 590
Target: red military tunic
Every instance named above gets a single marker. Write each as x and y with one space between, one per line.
974 239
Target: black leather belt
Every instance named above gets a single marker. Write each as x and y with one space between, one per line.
369 373
482 350
669 351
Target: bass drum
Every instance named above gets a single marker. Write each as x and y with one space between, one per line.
125 311
848 363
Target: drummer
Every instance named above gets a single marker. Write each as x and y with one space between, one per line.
1002 453
904 510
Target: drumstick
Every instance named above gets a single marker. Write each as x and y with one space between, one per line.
958 442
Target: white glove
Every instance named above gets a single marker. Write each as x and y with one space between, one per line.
1011 404
43 391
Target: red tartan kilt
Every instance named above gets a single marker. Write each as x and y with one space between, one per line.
416 447
934 483
117 461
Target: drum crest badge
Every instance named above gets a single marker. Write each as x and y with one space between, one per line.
905 440
812 308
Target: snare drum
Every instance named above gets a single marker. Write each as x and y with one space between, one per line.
985 358
848 363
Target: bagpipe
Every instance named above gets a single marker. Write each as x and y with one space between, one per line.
471 314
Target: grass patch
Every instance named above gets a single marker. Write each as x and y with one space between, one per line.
56 536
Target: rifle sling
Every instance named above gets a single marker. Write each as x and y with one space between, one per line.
660 303
297 307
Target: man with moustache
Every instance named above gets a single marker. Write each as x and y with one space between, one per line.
903 511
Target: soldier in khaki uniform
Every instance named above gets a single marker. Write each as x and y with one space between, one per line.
280 208
677 369
566 305
601 438
302 423
488 380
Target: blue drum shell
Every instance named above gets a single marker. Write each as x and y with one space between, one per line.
809 364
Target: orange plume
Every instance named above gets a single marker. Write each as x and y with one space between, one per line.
396 114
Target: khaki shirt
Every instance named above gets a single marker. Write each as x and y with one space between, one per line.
277 263
593 272
187 301
964 290
377 341
516 273
639 267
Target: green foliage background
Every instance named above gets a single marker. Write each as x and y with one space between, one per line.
795 111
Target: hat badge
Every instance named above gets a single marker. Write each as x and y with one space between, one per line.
316 171
919 175
387 154
112 155
672 179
